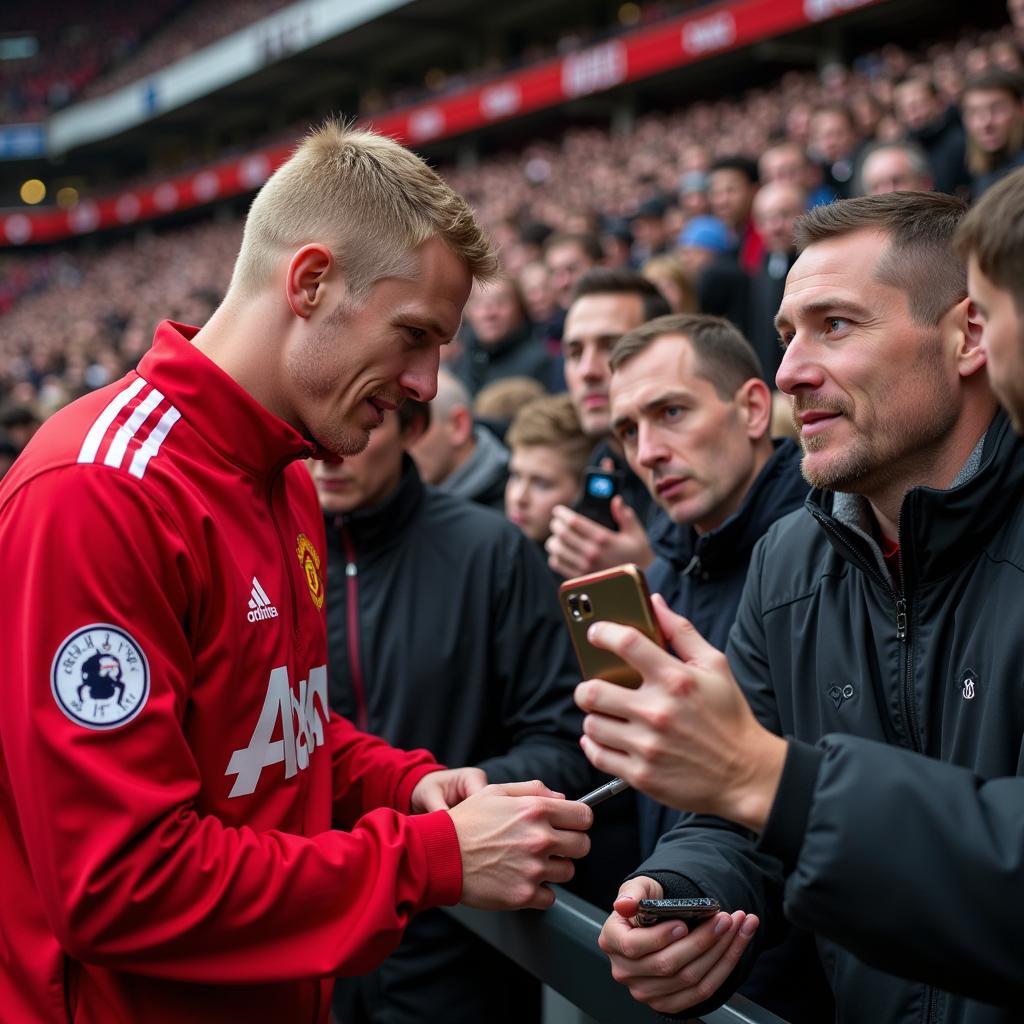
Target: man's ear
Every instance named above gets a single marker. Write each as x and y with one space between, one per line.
754 401
460 425
304 283
965 325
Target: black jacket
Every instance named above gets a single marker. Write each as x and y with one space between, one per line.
444 632
897 835
521 353
702 577
766 290
945 143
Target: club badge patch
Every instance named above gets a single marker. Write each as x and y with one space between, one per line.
310 562
100 677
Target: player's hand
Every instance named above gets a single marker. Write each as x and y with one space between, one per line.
687 736
442 790
578 545
668 967
515 839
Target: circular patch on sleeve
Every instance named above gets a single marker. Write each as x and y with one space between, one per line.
100 677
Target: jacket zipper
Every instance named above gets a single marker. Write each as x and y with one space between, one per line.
289 575
354 661
906 682
902 606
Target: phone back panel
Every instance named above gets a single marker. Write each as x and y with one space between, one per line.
613 595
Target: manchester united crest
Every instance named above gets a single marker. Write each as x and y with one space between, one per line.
310 562
100 677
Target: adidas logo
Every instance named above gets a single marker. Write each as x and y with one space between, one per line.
259 604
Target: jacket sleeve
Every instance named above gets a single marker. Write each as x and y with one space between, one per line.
914 865
130 874
717 857
370 773
535 669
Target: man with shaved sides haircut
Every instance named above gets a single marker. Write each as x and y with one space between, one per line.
852 764
189 833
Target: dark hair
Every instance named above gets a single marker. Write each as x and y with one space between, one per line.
918 79
995 78
743 164
919 259
723 356
608 281
412 410
18 416
535 232
588 244
993 233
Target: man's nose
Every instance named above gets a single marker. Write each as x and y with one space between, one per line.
798 371
419 379
650 449
594 365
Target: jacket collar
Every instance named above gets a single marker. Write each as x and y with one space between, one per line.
939 530
776 490
217 407
375 525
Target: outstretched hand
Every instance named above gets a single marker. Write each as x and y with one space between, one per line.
687 736
578 545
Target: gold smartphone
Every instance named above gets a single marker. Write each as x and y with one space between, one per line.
613 595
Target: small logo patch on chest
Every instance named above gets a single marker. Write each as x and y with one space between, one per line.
840 692
968 683
310 562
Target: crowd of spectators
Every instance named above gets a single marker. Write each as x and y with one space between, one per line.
674 194
90 50
75 42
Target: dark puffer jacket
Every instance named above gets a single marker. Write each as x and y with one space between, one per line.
897 835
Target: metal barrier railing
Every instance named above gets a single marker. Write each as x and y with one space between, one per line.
559 946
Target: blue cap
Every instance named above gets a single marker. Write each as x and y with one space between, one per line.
706 233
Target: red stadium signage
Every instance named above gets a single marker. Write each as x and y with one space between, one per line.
632 56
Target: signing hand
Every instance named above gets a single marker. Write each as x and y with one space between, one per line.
515 838
666 966
442 790
578 545
687 736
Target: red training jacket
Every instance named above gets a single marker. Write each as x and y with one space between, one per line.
169 776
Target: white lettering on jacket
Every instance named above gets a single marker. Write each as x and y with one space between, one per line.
302 730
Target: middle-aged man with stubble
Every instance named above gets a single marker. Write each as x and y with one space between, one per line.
863 737
605 305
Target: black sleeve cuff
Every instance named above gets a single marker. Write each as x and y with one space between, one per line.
674 885
783 834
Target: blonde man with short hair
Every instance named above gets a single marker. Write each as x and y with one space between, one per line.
223 847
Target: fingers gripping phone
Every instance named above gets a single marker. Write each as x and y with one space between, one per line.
613 595
690 911
595 500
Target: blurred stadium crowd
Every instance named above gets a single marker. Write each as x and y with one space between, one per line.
674 194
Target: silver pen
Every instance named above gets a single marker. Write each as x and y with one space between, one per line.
602 793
